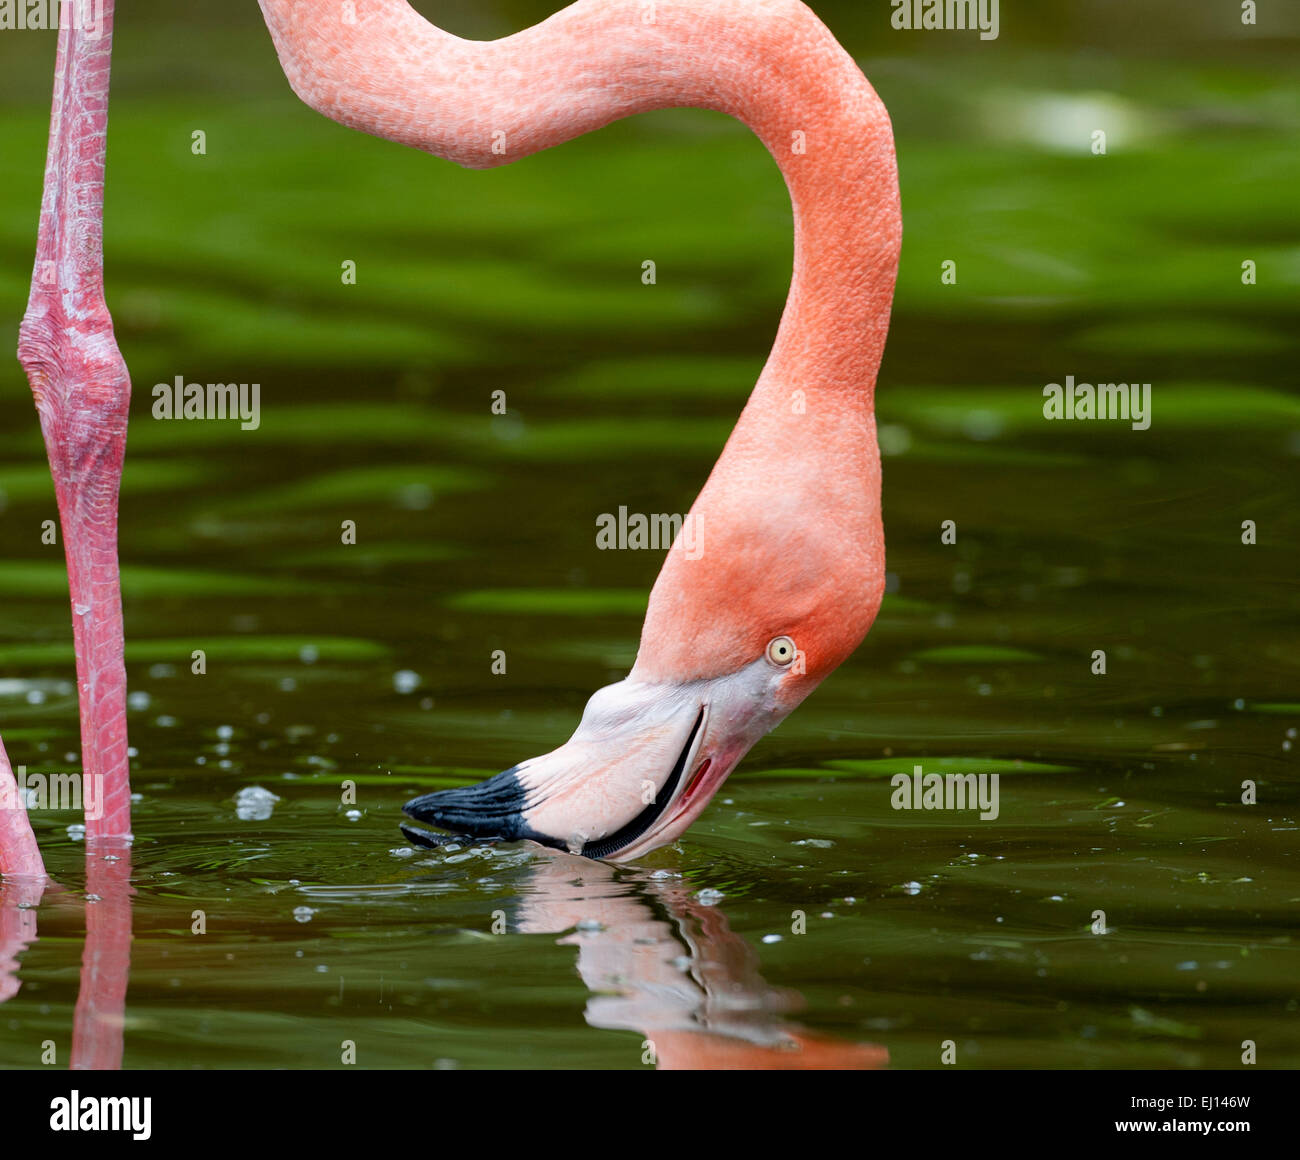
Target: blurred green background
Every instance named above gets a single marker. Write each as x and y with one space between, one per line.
477 534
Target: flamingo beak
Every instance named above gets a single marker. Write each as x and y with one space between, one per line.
642 765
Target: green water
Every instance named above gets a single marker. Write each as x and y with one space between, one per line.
1119 792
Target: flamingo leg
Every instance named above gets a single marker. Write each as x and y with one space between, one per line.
82 393
19 854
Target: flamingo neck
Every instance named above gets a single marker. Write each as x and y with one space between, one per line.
793 504
770 63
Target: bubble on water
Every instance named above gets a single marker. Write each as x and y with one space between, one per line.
137 797
225 732
590 924
459 858
138 700
253 803
94 898
401 852
309 654
322 969
820 843
160 672
35 697
287 684
771 938
911 888
77 832
165 722
1189 966
303 913
405 681
710 897
353 815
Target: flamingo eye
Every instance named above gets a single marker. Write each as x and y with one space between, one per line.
781 650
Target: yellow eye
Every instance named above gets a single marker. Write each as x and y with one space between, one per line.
781 650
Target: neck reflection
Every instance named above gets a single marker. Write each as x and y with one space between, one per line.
660 962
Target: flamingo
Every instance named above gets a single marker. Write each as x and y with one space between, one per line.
792 569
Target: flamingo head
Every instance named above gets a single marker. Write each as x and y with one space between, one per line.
734 640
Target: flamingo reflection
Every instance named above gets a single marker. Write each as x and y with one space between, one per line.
99 1019
660 962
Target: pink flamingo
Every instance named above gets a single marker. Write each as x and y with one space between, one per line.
792 571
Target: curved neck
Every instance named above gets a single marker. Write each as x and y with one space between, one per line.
770 63
791 510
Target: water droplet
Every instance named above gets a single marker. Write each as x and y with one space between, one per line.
254 804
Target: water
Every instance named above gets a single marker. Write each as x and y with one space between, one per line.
802 919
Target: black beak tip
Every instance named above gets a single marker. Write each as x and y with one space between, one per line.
425 838
488 809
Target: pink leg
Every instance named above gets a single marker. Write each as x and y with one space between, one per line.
82 393
19 855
